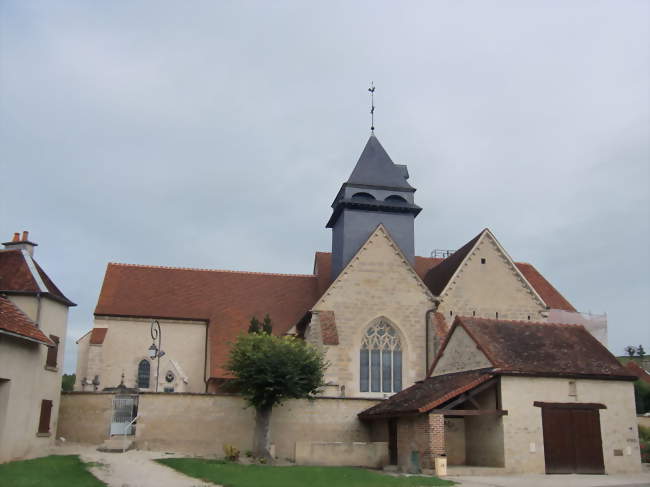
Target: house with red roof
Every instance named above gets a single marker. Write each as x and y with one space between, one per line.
33 324
379 313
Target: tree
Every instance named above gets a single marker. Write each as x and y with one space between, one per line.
640 351
264 327
67 382
270 369
630 350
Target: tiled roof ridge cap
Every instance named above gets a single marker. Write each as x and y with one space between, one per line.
199 269
523 322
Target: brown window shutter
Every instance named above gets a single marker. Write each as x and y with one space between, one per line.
52 352
46 413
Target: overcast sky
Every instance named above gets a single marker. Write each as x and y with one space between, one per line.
216 135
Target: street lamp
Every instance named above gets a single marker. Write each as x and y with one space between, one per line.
156 351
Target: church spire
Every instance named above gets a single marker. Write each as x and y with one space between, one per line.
377 192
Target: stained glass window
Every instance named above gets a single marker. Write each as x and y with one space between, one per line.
144 369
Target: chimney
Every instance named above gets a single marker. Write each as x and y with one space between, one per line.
19 242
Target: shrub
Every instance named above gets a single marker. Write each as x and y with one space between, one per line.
231 452
644 441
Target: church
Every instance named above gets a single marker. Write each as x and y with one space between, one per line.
417 333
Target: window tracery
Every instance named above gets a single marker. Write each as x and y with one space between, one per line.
380 359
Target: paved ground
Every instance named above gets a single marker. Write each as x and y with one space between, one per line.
638 480
134 468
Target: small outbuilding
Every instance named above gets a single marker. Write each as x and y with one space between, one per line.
524 397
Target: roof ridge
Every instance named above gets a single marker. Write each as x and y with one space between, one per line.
523 322
200 269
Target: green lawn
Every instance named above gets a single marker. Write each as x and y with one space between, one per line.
234 475
52 471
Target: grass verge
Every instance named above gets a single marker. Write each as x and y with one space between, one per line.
235 475
52 471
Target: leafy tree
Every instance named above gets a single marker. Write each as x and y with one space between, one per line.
67 382
630 350
265 327
640 351
270 369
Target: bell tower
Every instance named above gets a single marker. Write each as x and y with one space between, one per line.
376 192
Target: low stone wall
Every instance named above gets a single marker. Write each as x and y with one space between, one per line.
85 417
200 424
643 421
355 454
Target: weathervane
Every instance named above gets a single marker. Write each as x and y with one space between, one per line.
372 106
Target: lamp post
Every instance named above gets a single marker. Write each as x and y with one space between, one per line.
156 351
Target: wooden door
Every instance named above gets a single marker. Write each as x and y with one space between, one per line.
589 446
392 441
572 440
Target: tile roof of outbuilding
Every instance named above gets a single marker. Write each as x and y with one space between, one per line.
14 322
537 348
16 276
426 395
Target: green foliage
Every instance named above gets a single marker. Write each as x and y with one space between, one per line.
231 453
644 441
630 350
236 475
642 397
640 351
52 471
249 454
67 382
265 327
270 369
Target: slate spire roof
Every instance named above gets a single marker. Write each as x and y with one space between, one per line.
376 168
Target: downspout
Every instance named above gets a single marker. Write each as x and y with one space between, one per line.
426 327
205 365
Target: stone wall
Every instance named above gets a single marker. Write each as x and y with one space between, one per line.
522 427
201 424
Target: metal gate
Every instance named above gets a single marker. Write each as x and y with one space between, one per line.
125 409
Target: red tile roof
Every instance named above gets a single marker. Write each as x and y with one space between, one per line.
426 395
545 349
226 299
16 277
546 291
97 336
328 328
438 277
634 368
14 322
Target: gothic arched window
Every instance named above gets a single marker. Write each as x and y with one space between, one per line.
380 359
144 369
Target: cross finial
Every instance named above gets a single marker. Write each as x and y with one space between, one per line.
372 106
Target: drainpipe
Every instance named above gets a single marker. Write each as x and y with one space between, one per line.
426 328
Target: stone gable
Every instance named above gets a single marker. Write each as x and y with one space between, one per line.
377 283
487 283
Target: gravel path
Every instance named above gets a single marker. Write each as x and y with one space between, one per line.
135 468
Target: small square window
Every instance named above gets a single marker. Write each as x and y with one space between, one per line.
482 260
